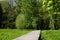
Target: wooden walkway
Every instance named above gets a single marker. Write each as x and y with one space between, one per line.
34 35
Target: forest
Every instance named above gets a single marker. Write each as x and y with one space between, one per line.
30 14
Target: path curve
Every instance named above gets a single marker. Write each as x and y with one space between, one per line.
34 35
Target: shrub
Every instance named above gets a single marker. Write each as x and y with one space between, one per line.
21 21
24 22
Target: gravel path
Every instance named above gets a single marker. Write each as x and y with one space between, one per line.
34 35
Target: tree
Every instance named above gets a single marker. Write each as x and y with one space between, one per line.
4 15
48 10
56 8
1 12
9 15
29 10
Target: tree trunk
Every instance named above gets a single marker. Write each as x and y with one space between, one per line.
51 25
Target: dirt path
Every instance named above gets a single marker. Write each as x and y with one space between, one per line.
34 35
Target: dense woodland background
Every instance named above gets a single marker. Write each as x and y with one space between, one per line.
30 14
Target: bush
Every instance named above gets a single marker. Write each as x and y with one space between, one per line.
34 22
24 22
21 21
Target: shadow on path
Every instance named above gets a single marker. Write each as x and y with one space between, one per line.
39 37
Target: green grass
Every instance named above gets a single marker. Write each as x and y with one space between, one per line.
50 35
9 34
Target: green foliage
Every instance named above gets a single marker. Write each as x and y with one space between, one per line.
51 25
5 5
21 21
34 23
9 15
4 15
48 7
56 5
57 20
28 12
50 35
9 34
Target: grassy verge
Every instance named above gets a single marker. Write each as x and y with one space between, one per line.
50 35
9 34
